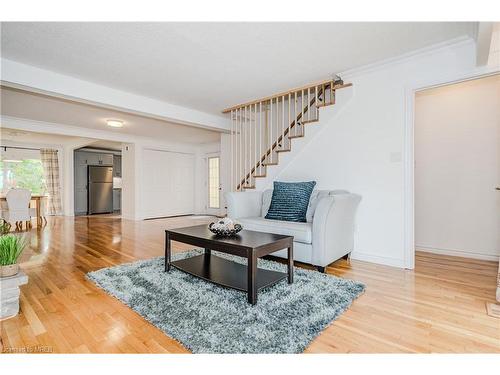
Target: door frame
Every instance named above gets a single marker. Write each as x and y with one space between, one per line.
409 150
209 210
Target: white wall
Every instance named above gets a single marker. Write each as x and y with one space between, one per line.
360 148
457 168
130 179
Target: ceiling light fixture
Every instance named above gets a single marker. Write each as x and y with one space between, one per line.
115 123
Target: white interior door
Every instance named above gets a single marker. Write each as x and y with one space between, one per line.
168 183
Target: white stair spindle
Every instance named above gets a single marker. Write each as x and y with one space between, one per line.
307 104
301 106
289 113
250 145
283 122
245 148
271 132
295 113
255 147
238 143
241 149
316 111
260 138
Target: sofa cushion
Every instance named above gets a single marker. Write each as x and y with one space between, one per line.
316 196
301 232
290 201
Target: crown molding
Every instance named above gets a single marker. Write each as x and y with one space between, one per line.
418 53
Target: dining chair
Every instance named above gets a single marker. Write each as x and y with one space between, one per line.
18 201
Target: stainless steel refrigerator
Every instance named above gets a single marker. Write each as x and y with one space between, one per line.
100 190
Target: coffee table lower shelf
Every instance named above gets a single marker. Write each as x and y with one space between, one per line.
226 272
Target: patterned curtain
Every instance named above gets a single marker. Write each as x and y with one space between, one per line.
50 164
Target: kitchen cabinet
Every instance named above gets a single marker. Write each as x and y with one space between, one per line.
105 159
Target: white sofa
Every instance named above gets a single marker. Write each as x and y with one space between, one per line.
327 235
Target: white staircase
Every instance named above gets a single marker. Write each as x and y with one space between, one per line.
263 129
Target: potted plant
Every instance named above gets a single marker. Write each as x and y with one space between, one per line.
11 247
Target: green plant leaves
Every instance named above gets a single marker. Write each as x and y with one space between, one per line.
11 247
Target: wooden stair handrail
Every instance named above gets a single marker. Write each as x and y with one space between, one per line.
285 93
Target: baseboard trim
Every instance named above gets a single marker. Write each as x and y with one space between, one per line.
457 253
386 261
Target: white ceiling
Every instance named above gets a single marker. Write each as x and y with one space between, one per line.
21 104
210 66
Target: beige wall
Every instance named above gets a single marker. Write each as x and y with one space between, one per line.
457 168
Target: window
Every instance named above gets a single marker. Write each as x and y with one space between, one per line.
213 183
22 169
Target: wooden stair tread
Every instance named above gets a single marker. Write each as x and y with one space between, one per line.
309 121
324 105
282 150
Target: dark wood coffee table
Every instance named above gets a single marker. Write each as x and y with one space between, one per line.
248 244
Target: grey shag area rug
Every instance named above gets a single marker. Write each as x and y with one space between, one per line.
207 318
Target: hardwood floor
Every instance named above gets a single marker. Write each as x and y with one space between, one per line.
438 307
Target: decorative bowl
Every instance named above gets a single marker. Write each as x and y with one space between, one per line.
225 232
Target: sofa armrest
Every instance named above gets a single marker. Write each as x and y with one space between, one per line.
244 204
333 228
